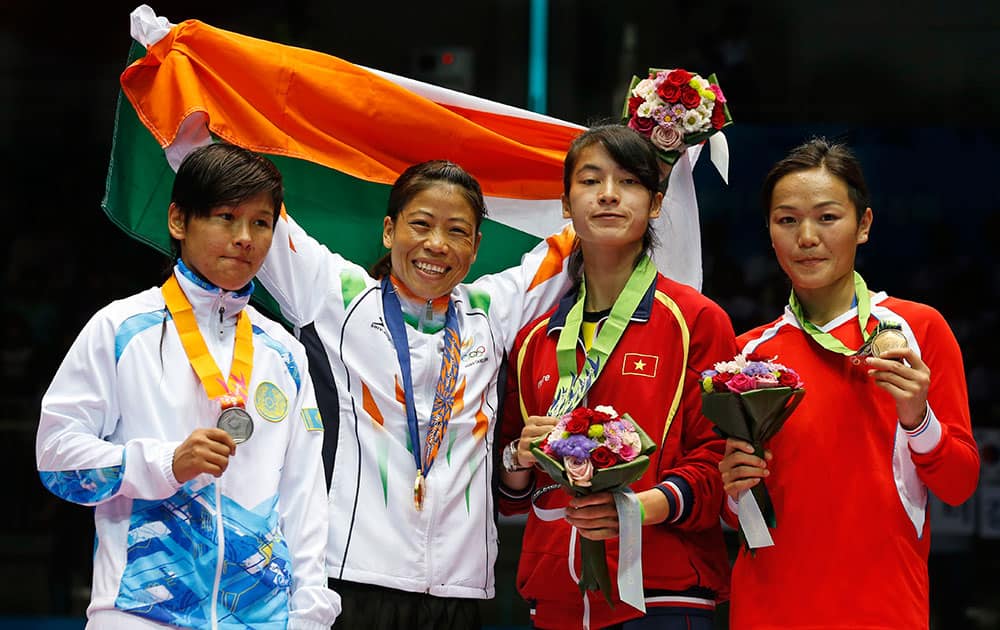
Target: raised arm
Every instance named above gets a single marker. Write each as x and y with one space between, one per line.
520 294
301 273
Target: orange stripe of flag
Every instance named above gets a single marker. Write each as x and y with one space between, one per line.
303 104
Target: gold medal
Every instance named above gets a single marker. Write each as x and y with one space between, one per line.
888 339
418 491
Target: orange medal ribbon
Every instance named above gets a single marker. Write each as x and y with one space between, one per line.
231 393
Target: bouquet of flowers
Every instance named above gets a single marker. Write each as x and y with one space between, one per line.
594 450
749 398
675 109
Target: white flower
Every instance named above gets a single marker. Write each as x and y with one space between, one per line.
608 409
646 109
694 120
645 88
705 109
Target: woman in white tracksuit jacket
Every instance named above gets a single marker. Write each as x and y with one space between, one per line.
397 565
190 533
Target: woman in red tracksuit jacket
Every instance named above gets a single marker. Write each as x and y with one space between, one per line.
611 181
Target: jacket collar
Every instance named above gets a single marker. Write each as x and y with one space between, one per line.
558 319
207 299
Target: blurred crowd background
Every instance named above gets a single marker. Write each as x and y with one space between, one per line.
914 91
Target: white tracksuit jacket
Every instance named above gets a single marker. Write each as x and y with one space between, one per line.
242 550
376 535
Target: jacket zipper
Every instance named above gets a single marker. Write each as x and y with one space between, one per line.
220 554
428 315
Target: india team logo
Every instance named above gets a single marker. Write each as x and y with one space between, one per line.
271 402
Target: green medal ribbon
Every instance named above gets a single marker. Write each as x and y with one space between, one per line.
573 387
825 339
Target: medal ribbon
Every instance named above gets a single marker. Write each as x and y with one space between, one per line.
825 339
231 392
573 387
444 393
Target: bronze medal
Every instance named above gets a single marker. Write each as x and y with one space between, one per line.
885 340
237 423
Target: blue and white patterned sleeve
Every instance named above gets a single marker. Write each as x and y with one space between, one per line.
79 408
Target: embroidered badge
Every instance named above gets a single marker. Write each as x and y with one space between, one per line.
271 402
636 364
312 419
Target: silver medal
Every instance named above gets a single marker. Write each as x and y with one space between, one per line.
237 423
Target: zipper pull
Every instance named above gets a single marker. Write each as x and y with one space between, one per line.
428 314
222 311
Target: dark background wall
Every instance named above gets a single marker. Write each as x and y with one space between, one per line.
913 86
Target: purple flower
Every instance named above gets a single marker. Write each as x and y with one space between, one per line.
756 368
578 446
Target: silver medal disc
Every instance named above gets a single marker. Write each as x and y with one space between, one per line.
237 423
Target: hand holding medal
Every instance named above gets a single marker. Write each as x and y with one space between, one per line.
204 451
899 370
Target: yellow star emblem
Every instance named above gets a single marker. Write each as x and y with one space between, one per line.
640 365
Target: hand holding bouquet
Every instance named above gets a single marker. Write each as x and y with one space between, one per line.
594 450
749 398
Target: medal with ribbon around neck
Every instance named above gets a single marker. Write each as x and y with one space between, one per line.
230 393
444 393
887 335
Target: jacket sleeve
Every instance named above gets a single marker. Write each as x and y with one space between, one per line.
301 273
79 411
304 513
693 485
942 447
520 294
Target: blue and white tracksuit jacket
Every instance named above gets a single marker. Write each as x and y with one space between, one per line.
242 550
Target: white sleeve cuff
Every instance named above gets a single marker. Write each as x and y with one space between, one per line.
925 437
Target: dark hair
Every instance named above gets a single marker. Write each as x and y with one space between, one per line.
221 174
835 157
421 177
631 151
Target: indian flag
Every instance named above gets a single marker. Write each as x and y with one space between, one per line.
341 134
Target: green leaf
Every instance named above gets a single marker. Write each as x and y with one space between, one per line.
726 412
594 575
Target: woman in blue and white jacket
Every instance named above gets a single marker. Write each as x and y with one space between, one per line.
189 533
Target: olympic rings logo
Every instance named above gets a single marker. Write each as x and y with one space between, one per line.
475 353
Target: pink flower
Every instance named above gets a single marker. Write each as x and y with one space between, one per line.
740 383
579 471
667 138
719 97
631 445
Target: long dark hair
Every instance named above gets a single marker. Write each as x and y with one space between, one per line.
631 151
835 157
421 177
